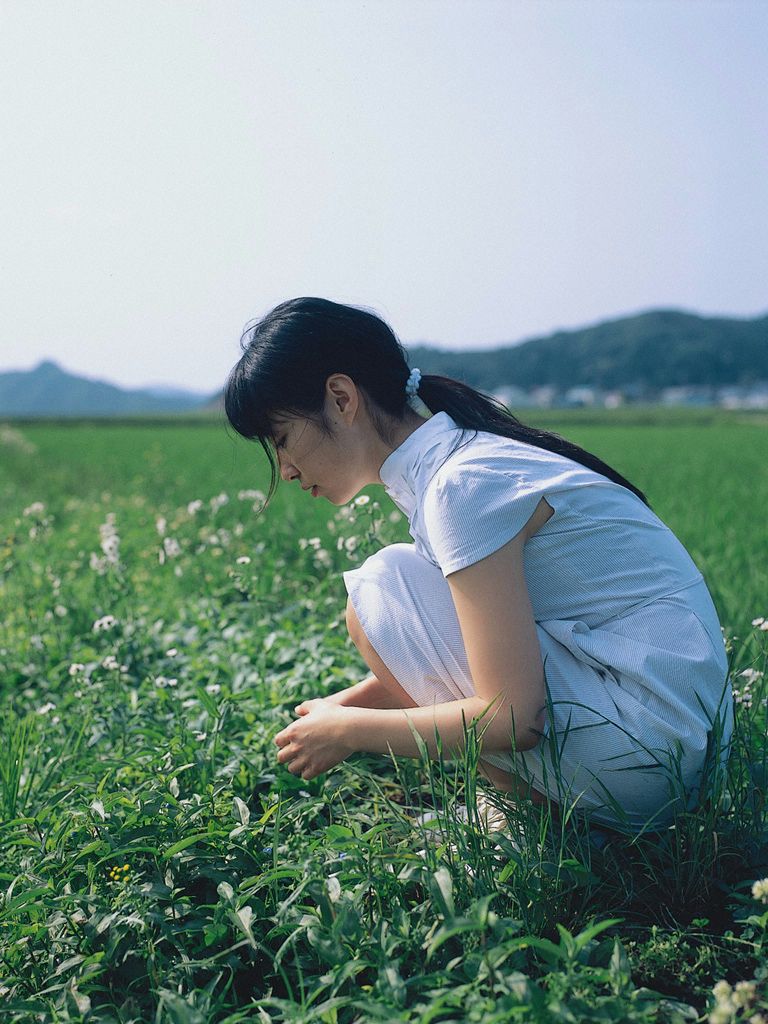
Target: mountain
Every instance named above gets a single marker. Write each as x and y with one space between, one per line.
47 390
642 353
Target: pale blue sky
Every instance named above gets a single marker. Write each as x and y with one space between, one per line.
478 172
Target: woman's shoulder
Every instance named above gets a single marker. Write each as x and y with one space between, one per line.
490 474
484 457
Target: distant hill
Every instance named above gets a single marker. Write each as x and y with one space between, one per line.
47 390
642 353
639 355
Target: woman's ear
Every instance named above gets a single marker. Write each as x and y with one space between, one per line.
342 397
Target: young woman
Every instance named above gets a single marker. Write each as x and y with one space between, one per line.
542 597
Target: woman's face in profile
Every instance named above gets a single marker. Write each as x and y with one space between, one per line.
320 462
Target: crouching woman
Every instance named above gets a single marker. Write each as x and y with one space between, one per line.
541 595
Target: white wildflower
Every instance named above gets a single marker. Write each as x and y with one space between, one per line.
760 890
45 708
98 564
724 1006
751 675
350 545
171 547
161 524
76 668
105 623
219 502
310 542
722 990
111 663
171 652
322 559
755 622
35 509
60 611
722 1013
194 507
173 785
252 495
200 736
213 688
243 560
744 993
110 543
362 500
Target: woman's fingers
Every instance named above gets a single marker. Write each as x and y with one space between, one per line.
289 756
306 705
296 766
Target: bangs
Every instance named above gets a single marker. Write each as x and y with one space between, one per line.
247 406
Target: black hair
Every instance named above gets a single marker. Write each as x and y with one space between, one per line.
289 354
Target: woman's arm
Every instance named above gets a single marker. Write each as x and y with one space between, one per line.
383 731
499 632
370 693
502 646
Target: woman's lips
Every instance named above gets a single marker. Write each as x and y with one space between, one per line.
314 490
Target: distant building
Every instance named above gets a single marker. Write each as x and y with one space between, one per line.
581 396
753 396
544 397
687 395
513 397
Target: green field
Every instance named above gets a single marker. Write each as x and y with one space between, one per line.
157 864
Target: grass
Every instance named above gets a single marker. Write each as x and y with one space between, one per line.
156 864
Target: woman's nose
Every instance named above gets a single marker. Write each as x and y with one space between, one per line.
287 470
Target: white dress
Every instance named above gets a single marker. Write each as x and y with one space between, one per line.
635 666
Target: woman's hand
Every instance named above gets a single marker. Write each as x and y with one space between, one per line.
317 740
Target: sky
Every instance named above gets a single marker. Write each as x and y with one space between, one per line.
477 172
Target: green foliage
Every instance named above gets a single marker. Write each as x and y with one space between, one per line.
156 863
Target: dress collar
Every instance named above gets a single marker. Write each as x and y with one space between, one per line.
419 456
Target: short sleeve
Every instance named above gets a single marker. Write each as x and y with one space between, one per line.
472 510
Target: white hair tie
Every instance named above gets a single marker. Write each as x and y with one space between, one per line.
412 384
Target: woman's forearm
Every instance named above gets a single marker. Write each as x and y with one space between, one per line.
381 731
370 693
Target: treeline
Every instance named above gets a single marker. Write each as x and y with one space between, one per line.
647 352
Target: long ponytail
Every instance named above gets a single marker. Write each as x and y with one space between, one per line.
473 410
